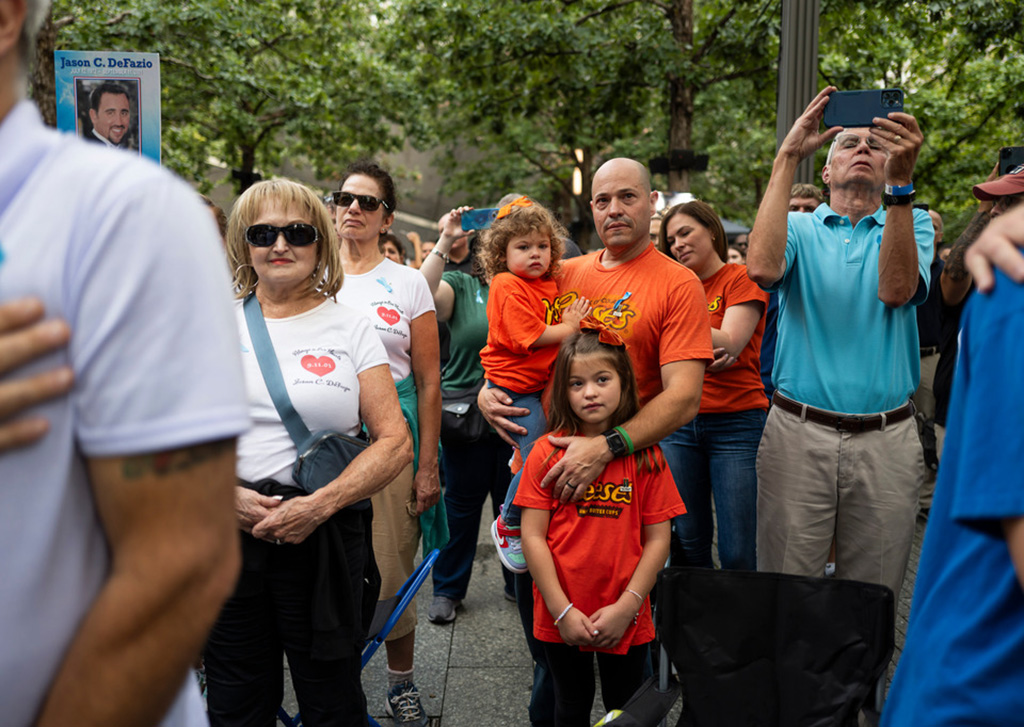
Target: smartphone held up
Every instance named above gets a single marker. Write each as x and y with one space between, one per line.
479 219
850 109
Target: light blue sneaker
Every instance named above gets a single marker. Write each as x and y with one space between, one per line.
509 544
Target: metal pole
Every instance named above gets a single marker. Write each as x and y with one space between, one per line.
663 670
798 71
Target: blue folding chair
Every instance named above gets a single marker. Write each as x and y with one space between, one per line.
385 616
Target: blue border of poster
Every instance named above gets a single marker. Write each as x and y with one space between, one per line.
78 73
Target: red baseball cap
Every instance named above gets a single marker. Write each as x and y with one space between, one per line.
1010 183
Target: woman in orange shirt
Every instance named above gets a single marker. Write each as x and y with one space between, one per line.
716 452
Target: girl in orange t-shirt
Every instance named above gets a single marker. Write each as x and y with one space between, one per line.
520 254
716 453
588 596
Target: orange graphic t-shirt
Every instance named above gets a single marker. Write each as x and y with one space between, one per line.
618 504
654 303
518 311
739 387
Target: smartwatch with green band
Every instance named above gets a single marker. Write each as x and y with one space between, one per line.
616 443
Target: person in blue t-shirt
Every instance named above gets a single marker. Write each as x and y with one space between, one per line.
961 662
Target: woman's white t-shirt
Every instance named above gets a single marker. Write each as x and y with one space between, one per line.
321 353
391 297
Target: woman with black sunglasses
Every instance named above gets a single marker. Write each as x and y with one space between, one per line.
397 302
283 249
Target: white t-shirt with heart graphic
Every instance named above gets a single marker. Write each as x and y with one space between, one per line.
391 296
321 353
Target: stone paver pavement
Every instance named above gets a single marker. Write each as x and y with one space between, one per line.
477 671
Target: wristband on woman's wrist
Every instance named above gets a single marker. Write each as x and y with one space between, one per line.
562 614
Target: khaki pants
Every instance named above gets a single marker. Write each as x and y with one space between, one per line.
396 536
924 402
815 482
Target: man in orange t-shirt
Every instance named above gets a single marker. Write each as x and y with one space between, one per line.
658 307
654 303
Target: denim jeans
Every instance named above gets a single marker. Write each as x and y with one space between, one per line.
536 424
715 455
542 694
472 472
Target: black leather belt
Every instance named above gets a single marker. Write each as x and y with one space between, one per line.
855 424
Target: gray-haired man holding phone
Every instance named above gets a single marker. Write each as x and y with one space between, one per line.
840 455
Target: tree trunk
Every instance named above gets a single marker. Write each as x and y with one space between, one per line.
43 83
681 93
244 176
680 133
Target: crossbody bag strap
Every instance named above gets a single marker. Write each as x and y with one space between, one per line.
271 371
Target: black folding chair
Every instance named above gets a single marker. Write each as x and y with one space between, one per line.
768 650
385 616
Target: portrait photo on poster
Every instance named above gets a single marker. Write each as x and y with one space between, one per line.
107 111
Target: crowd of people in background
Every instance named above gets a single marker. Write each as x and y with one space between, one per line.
796 395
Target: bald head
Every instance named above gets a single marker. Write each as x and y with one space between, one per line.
622 167
622 204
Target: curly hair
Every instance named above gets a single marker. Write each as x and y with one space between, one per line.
519 222
327 275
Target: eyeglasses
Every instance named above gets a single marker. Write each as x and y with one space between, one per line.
852 141
299 235
367 202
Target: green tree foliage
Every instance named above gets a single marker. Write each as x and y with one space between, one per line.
529 83
508 91
961 65
257 83
526 83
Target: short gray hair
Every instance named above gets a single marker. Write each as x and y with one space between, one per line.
35 13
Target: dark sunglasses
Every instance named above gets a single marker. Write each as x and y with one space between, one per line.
367 203
299 235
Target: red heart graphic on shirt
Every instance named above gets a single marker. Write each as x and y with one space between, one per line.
388 315
320 366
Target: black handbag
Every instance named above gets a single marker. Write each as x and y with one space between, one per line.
323 454
461 419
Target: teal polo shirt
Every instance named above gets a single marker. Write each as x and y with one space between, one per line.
839 347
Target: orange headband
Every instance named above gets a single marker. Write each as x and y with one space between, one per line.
507 209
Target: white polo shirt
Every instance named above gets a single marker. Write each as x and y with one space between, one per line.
129 257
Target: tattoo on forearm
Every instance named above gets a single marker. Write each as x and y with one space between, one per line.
955 269
175 460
